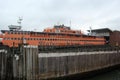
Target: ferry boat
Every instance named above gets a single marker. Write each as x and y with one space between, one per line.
59 35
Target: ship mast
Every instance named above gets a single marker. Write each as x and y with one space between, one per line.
90 30
16 27
20 21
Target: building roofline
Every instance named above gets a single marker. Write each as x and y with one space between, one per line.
101 30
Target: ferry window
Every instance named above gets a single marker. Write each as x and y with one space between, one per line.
18 38
4 38
8 32
7 38
11 32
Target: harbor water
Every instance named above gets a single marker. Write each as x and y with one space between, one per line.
110 75
105 74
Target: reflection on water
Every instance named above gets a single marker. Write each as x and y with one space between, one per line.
112 75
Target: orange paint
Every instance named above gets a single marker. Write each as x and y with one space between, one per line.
57 36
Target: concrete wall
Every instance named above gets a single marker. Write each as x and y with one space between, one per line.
28 64
64 64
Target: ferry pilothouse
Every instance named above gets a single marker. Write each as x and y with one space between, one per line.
59 35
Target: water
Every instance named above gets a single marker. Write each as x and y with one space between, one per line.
105 74
111 75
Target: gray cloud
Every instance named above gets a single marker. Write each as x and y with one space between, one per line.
39 14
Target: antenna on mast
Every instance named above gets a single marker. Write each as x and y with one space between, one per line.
19 21
16 27
90 30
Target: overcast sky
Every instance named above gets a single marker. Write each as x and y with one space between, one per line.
39 14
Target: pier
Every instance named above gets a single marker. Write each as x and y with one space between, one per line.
28 63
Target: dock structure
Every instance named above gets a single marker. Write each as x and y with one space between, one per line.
28 63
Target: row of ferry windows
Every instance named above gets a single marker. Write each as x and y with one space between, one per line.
28 33
46 39
19 33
